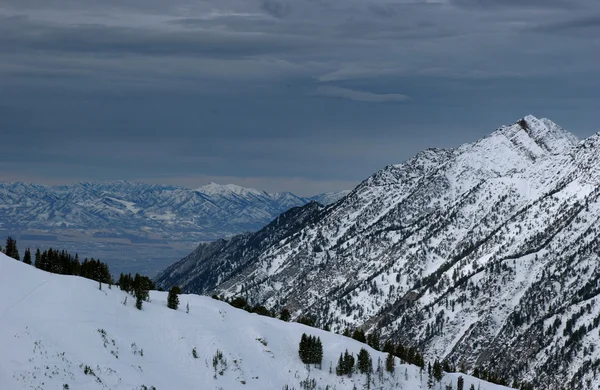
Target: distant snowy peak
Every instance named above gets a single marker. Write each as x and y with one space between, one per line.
214 189
130 208
224 190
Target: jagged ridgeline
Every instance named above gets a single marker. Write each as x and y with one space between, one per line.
486 256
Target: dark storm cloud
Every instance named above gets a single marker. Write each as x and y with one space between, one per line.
280 94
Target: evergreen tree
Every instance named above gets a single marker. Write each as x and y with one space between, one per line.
285 315
303 348
27 257
142 286
460 383
365 364
318 352
339 368
388 347
390 363
349 363
472 387
187 307
173 298
11 249
138 302
373 340
359 335
306 320
38 256
437 371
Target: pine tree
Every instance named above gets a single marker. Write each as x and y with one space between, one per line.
285 315
365 364
11 249
318 352
173 298
349 363
390 363
187 307
138 302
359 335
37 262
339 368
437 371
373 340
27 257
460 383
303 348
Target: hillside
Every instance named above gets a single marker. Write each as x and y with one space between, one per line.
60 330
486 255
137 227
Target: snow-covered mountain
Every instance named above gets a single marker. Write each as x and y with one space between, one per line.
136 227
63 332
487 255
209 212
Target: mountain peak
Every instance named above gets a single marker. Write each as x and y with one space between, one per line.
547 135
213 188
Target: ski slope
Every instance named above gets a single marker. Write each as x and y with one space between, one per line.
54 329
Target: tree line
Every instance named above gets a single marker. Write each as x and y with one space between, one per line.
61 262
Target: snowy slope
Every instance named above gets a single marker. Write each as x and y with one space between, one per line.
468 253
52 327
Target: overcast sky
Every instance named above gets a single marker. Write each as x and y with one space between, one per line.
298 95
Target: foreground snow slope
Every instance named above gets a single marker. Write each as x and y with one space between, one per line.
52 327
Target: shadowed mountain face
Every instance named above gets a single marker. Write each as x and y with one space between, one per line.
136 227
486 255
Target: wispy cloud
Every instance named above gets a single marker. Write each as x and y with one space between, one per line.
359 96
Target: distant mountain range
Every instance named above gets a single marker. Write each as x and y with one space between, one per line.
487 255
129 218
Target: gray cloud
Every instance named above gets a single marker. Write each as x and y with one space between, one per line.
276 91
360 96
567 4
276 8
21 34
573 25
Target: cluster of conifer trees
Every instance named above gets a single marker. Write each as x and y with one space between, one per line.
139 286
345 364
61 262
241 303
310 350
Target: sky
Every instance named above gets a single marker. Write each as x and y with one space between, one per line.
305 96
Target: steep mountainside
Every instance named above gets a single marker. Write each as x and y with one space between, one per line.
63 332
486 255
